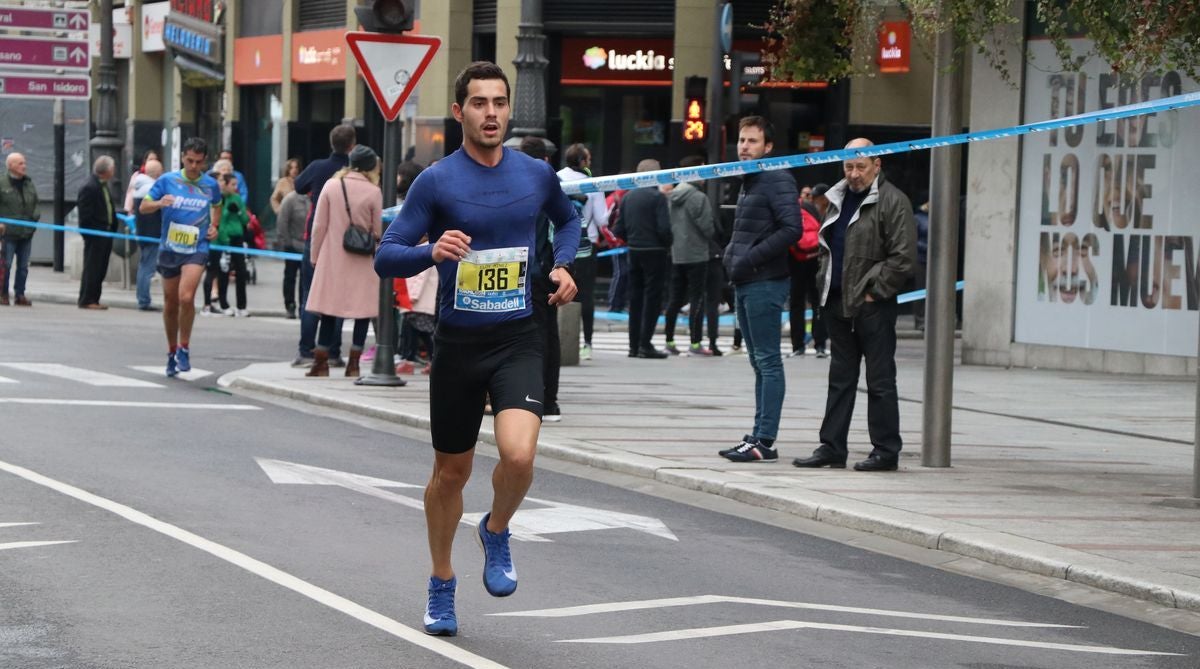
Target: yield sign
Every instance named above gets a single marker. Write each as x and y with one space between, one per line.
392 65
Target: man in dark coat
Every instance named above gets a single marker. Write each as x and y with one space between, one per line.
645 226
96 212
18 201
766 224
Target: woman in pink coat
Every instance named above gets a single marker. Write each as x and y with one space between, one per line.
344 284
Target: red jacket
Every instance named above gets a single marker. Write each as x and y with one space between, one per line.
808 246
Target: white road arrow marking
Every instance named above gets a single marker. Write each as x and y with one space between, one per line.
27 544
88 376
705 632
526 525
641 605
160 370
31 544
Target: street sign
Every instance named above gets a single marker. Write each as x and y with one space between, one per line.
29 18
392 65
41 86
45 53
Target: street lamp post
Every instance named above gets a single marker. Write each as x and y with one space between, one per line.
107 140
530 96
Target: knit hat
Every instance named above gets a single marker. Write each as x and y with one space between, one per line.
363 159
819 189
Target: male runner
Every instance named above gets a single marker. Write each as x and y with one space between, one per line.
481 205
190 202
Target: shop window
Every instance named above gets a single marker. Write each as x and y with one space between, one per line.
321 14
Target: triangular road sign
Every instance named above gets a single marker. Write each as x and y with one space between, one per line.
392 65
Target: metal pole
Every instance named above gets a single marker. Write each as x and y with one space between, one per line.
716 108
383 370
943 249
107 140
60 196
1196 448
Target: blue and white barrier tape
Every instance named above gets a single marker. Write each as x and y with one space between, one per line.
280 255
728 319
738 168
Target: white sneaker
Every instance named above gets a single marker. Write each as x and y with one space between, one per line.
208 310
241 313
229 311
585 352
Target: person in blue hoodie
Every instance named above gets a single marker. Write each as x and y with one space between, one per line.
480 205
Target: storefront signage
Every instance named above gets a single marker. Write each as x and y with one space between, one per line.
1108 245
895 46
617 62
319 55
197 40
154 19
258 60
201 10
122 35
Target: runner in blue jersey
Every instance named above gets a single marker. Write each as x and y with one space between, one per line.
481 206
190 202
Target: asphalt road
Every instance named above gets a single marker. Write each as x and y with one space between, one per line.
207 530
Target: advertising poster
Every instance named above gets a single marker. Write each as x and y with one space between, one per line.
1109 222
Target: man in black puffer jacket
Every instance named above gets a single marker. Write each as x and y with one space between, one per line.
767 222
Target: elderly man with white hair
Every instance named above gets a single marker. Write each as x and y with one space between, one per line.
18 201
97 211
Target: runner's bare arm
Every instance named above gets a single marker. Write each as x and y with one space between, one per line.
215 214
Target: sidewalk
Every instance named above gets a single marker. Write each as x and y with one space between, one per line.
263 298
1076 476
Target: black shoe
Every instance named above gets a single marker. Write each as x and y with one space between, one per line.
746 439
821 353
820 459
339 361
716 352
753 452
633 354
652 353
876 463
291 311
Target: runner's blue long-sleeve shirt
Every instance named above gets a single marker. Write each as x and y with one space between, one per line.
498 208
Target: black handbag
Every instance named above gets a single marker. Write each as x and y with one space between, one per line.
356 240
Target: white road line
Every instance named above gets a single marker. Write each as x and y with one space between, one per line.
705 632
161 370
15 524
5 379
127 405
616 607
31 544
263 570
88 376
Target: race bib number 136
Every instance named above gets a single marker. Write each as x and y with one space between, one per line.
492 281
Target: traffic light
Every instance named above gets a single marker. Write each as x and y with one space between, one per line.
386 16
694 129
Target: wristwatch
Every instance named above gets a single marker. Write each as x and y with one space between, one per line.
563 265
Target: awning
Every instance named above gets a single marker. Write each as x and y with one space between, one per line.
198 75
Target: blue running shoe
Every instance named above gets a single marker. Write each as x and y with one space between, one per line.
439 611
183 358
499 574
171 369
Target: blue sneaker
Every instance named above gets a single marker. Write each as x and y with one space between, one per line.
499 574
439 610
183 358
171 369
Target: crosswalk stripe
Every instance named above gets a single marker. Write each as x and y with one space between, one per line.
5 379
78 374
161 370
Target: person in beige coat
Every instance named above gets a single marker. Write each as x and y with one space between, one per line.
345 284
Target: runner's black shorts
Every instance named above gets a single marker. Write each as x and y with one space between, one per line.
503 361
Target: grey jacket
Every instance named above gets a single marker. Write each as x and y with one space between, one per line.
692 224
289 222
880 246
18 203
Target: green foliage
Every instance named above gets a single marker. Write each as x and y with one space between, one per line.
1134 36
827 40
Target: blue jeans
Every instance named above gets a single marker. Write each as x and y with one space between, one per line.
760 308
20 248
147 265
310 321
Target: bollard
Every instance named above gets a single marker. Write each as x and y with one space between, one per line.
569 325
